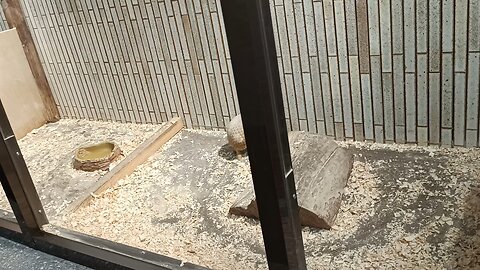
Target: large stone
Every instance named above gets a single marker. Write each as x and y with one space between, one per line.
321 170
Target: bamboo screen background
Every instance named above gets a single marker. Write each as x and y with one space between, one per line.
378 70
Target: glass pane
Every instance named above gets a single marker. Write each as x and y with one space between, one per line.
49 152
4 205
177 204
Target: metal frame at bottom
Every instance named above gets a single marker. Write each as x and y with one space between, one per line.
91 251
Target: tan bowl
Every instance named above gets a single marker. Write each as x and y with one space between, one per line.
96 157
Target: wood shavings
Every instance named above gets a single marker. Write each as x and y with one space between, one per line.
400 209
404 207
48 153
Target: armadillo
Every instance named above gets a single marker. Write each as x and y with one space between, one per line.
235 135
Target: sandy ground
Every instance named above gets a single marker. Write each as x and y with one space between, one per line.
48 152
404 207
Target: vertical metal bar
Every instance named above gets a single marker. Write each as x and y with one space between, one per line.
252 48
17 182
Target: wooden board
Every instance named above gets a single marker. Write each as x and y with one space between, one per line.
321 170
130 163
16 19
18 91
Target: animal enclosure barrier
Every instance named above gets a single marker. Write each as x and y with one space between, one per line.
384 71
147 62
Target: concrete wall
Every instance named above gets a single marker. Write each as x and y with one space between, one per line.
380 70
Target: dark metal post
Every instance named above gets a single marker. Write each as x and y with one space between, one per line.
252 49
17 182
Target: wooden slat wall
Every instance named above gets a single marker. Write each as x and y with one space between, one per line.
378 70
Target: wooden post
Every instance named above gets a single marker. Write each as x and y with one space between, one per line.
16 19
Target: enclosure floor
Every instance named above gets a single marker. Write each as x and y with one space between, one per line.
49 150
405 206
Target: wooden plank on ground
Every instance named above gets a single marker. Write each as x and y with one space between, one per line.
130 163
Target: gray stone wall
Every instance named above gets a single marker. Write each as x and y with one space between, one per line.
378 70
